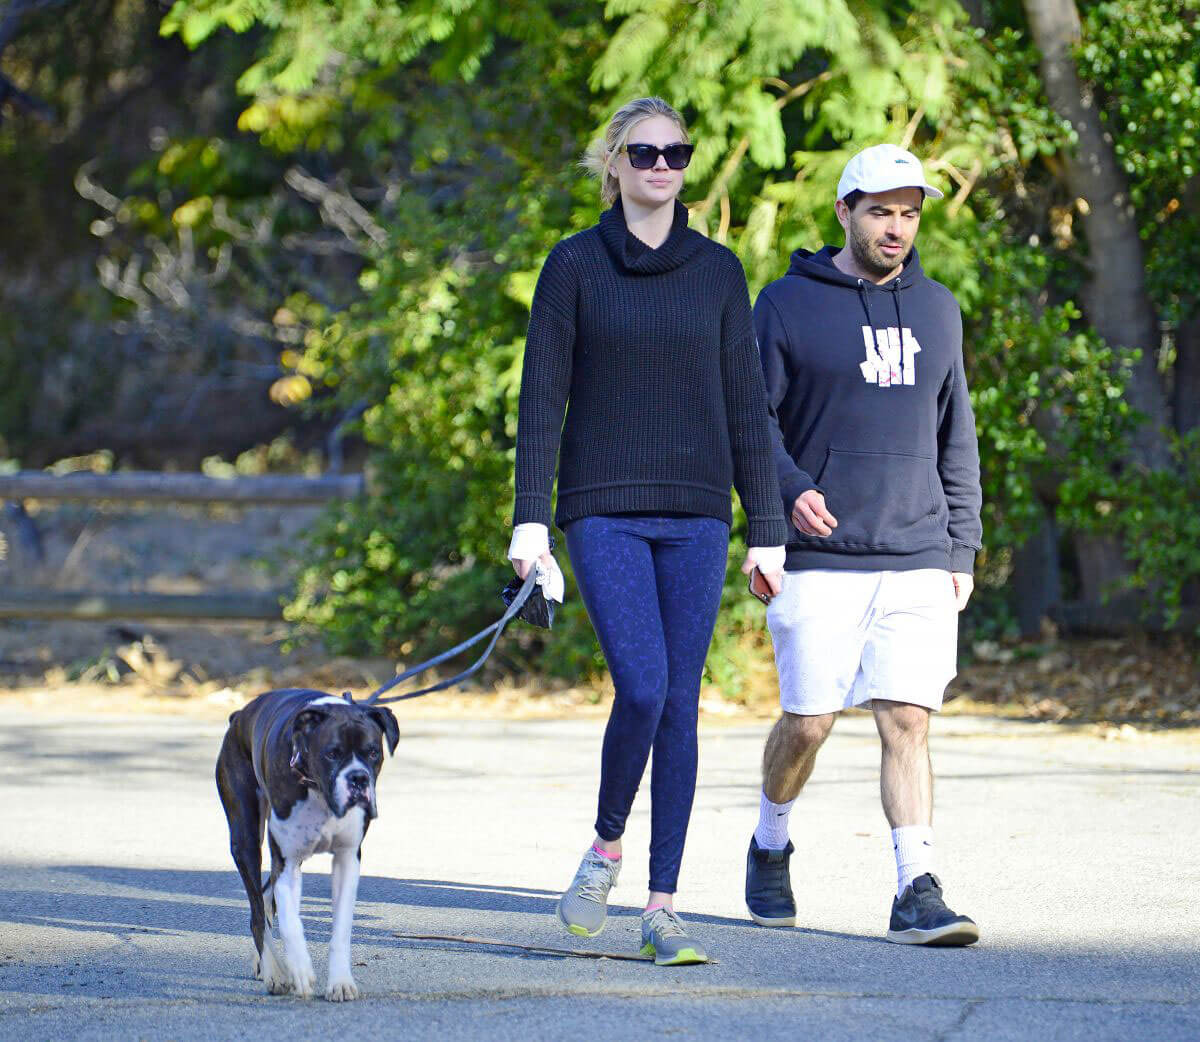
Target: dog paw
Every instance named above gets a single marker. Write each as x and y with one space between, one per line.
256 967
277 980
304 983
272 973
342 989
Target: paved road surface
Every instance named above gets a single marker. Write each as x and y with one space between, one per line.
121 916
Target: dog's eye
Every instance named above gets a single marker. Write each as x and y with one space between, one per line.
332 754
373 754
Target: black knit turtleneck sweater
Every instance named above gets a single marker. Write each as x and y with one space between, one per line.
651 354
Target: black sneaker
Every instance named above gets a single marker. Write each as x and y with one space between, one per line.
920 916
769 897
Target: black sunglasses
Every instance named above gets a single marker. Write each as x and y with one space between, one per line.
643 157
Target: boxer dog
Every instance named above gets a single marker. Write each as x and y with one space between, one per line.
301 765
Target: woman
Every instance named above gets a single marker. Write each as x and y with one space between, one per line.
641 333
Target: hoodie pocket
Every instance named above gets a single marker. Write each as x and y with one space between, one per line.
883 502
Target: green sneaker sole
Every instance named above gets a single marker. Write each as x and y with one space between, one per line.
683 957
576 929
582 931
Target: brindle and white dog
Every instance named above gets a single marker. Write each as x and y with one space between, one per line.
301 765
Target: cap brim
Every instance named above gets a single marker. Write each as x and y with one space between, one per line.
929 191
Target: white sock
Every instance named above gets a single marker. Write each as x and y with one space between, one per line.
913 847
772 831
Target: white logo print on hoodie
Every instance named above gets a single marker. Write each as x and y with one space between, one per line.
891 356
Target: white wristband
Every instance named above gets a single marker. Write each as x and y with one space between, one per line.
769 559
529 542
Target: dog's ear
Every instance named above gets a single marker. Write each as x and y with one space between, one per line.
307 719
386 720
302 727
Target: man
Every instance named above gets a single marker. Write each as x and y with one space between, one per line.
879 468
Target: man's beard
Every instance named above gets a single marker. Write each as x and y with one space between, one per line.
868 257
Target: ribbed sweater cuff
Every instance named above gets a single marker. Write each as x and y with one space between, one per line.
533 508
767 531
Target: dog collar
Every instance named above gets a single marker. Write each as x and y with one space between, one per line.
295 765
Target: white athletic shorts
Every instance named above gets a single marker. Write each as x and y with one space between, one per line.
843 638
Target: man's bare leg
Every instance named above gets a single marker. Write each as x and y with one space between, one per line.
906 786
905 771
788 760
919 914
791 753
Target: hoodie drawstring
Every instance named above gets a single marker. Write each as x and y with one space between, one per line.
895 286
862 295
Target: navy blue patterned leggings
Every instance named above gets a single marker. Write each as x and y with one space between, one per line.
652 587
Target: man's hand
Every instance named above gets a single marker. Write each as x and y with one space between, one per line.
964 583
810 516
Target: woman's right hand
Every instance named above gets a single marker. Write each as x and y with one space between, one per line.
531 545
522 567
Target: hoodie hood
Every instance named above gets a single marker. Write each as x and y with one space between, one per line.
634 256
820 265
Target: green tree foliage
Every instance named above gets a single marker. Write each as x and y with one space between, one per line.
433 349
88 363
1143 58
1138 62
61 58
445 134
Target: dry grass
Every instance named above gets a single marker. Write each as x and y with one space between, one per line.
212 670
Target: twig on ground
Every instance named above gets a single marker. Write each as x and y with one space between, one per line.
563 953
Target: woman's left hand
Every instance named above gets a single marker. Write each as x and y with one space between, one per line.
768 560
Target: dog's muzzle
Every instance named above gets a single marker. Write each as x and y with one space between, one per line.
360 792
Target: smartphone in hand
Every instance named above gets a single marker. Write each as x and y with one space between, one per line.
759 586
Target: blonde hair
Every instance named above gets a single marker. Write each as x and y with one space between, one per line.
598 158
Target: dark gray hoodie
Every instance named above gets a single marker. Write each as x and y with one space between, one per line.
867 384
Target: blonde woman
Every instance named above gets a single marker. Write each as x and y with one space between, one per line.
641 334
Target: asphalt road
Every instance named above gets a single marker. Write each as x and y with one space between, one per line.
121 916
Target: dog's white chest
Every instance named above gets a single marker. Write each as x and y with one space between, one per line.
311 828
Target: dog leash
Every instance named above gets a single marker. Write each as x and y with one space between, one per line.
495 629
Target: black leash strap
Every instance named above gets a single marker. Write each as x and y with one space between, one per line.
495 629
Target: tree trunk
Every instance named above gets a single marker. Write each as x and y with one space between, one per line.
1115 300
1187 375
978 13
1102 572
1035 583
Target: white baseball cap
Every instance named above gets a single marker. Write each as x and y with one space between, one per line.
882 168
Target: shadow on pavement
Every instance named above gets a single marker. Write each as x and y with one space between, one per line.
137 928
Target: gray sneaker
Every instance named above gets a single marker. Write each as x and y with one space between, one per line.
584 907
664 937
